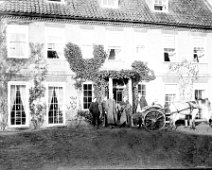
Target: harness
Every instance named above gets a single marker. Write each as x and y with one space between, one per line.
191 108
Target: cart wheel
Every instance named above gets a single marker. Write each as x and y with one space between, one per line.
154 119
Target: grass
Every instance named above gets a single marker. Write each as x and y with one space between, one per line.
64 148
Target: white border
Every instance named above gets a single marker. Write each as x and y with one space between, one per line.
26 104
24 29
200 86
55 84
175 46
204 45
56 2
60 31
82 94
177 92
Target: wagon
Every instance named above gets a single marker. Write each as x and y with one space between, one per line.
152 117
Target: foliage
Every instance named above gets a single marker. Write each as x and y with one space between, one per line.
37 91
85 69
88 69
85 114
8 68
187 72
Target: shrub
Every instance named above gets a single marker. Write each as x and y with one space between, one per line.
85 114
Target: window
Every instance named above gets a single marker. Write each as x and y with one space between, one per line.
140 52
169 98
56 1
113 53
170 94
169 50
87 95
18 102
110 3
142 89
118 94
87 51
55 43
199 94
55 105
199 50
17 41
161 5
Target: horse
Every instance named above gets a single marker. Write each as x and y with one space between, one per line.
183 110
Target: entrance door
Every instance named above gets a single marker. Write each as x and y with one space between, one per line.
118 94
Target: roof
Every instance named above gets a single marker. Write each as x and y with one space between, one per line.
184 13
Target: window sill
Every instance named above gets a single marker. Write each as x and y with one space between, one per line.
18 126
55 125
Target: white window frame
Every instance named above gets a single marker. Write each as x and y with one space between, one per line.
160 3
200 86
175 92
170 47
109 48
60 32
143 84
55 84
195 41
18 29
28 117
51 1
82 97
108 5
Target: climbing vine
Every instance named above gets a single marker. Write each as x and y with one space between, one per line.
37 91
89 69
9 68
187 72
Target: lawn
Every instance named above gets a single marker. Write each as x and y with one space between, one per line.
74 148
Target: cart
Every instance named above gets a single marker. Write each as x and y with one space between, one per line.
152 117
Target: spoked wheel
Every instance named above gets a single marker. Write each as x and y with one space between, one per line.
154 119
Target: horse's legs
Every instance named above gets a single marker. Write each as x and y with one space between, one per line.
192 121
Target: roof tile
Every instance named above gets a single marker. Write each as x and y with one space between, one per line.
181 12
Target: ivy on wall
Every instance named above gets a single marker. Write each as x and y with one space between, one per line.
37 104
89 69
9 68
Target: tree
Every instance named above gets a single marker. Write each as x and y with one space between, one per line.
187 72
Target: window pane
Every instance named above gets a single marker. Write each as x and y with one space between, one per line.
17 45
55 112
18 104
85 86
87 95
90 87
112 54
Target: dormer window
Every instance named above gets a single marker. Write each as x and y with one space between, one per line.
56 1
109 3
161 5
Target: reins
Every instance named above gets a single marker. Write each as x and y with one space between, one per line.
179 111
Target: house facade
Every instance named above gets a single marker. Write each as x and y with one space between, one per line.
157 32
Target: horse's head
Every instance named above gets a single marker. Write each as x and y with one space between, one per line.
204 102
